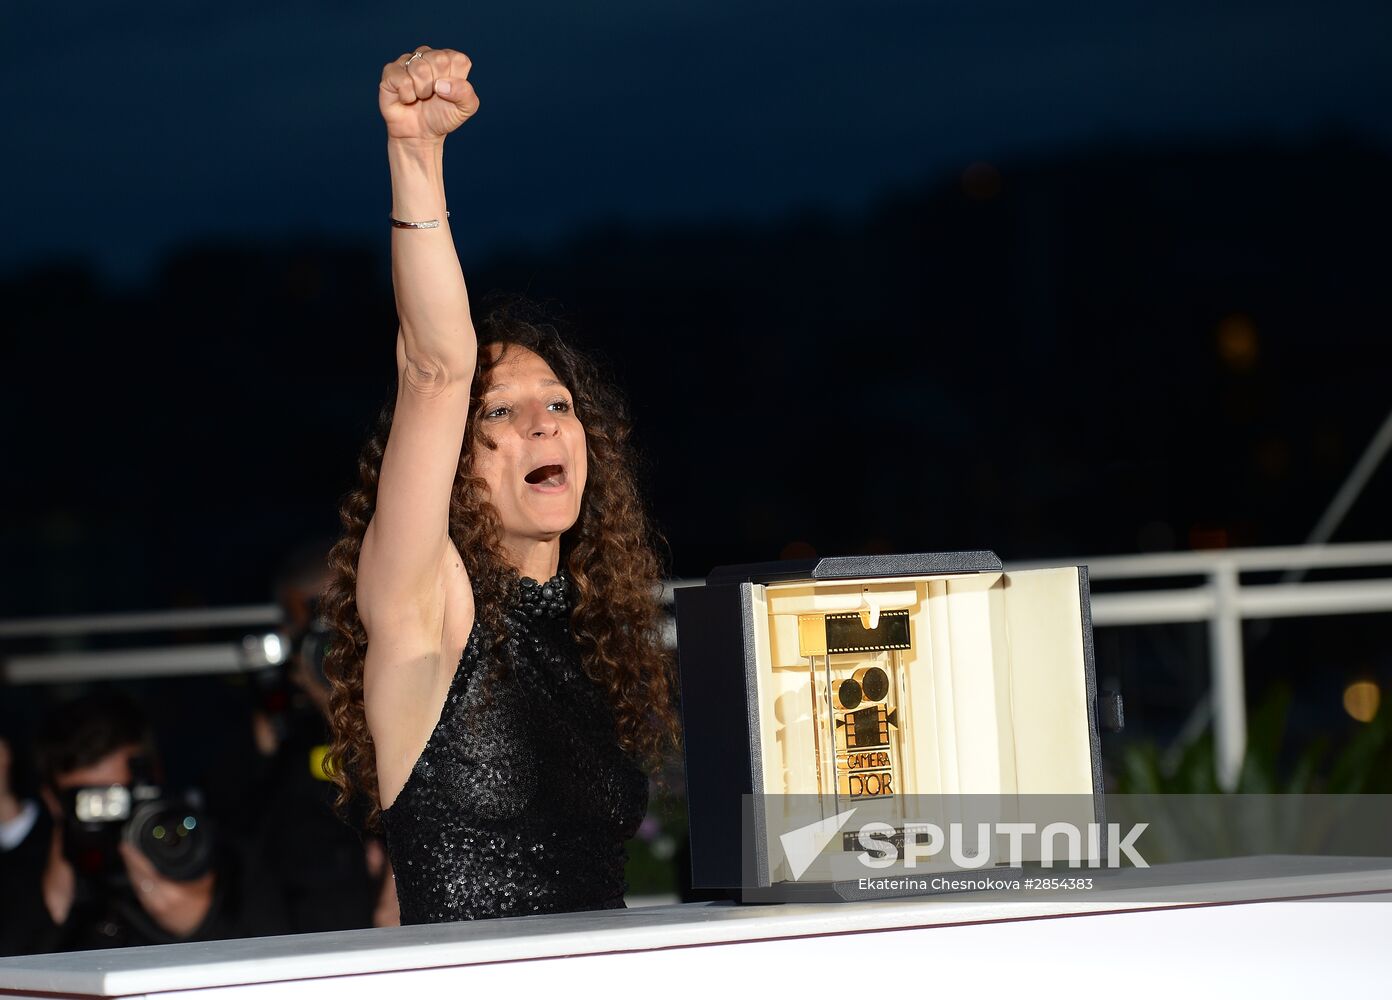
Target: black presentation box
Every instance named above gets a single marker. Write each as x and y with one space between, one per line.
862 680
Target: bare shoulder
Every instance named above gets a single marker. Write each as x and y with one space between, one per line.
411 657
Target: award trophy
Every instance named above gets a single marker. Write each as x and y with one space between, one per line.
854 678
880 687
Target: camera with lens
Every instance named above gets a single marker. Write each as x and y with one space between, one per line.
169 830
284 666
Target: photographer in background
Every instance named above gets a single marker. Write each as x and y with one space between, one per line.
19 813
330 876
111 861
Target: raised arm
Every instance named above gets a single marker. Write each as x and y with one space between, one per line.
406 550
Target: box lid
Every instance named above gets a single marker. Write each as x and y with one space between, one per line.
852 567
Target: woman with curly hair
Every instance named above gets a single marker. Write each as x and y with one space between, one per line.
499 681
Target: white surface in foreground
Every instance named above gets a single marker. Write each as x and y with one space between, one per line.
924 942
1257 949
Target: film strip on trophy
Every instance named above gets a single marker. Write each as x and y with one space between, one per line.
855 669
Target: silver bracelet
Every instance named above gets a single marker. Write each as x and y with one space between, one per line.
427 224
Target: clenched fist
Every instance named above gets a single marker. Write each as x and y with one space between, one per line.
426 94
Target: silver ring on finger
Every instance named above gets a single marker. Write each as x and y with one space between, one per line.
414 57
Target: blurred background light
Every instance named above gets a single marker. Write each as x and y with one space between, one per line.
1237 342
1361 700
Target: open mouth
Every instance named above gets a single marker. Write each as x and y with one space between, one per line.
547 475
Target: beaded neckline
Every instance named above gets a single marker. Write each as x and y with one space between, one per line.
550 599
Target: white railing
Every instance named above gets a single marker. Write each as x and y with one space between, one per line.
1221 599
1225 601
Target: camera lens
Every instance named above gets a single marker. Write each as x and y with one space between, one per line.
173 837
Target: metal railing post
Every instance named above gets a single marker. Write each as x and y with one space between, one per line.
1225 663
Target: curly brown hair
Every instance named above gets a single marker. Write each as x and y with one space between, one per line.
610 555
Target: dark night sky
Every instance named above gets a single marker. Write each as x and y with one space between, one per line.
134 128
780 176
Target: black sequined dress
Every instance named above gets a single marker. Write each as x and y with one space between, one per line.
522 800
